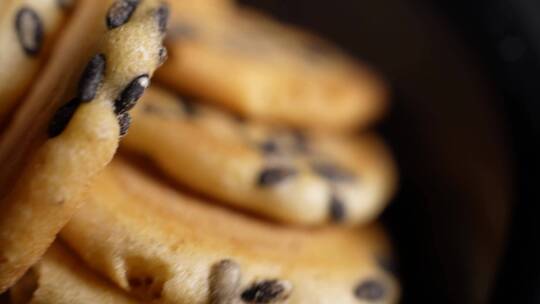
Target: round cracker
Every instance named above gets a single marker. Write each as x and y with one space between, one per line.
168 247
290 176
268 71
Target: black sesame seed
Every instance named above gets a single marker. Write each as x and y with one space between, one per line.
124 120
301 141
224 279
65 4
163 55
129 96
92 77
387 264
332 172
269 147
62 117
188 105
272 176
29 28
120 12
162 15
337 209
370 290
265 292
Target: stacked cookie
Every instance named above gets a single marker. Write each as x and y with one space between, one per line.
244 178
68 121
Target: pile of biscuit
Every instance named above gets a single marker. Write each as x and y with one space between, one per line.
244 172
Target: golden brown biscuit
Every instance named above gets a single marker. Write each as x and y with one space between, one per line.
204 7
61 278
27 31
162 245
293 177
68 128
264 70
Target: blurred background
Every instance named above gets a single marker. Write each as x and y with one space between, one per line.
464 125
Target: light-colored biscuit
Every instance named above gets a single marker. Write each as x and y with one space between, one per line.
294 177
68 128
27 31
264 70
165 246
61 278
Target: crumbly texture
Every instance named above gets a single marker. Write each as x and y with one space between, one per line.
28 29
67 130
61 278
290 176
165 246
264 70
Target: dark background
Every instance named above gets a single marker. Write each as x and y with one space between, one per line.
464 125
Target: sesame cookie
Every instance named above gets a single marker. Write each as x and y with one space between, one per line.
69 126
205 7
27 31
61 278
290 176
165 246
264 70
